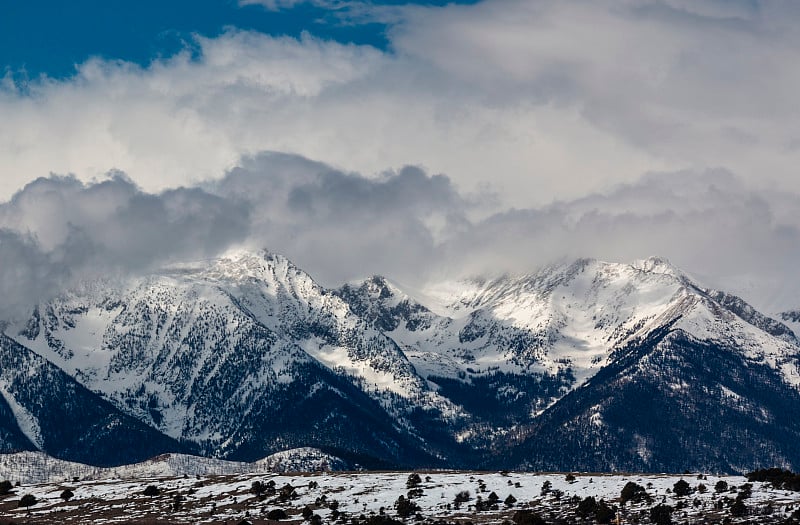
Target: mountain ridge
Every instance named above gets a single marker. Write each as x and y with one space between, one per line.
224 355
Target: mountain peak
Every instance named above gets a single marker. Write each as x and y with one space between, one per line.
657 264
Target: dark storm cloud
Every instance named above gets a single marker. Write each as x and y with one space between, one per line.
58 230
406 224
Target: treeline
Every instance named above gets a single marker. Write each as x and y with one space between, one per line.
780 479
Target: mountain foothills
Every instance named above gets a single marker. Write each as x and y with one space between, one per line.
585 366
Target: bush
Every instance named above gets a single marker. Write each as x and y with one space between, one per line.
546 487
28 500
151 491
681 488
277 514
587 507
462 497
415 493
258 488
661 515
745 492
738 509
405 507
287 492
721 486
307 512
381 519
569 478
67 495
5 487
527 517
603 513
633 492
413 480
510 500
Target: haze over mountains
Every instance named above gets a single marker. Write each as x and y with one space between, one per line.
585 366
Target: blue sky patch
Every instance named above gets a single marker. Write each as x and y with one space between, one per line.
51 37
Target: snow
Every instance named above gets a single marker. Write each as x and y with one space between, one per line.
217 498
160 336
26 421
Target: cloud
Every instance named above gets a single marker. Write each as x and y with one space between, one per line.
58 231
274 5
541 99
407 224
542 115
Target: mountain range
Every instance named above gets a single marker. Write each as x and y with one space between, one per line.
583 366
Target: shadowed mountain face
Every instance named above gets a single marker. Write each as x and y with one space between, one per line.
584 366
51 411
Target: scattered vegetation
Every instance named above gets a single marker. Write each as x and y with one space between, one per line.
780 479
323 501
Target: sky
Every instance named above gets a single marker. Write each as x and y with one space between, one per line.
418 140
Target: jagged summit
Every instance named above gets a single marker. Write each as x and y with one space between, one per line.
246 355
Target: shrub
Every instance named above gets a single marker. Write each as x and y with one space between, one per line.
527 517
381 519
413 480
603 513
287 492
258 488
67 495
661 515
28 500
5 487
510 500
569 478
277 514
546 487
415 493
738 509
721 486
745 492
587 507
307 512
462 497
151 491
681 488
633 492
405 507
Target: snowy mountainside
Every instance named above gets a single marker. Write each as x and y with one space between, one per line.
212 354
246 355
510 347
42 407
792 319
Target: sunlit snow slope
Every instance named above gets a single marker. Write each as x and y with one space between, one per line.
246 355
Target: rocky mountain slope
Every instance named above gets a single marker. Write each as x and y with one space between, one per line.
246 355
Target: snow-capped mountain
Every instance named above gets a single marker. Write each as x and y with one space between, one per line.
247 355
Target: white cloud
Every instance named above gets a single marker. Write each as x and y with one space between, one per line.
274 5
543 99
538 101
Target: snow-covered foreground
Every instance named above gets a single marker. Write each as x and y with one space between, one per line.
355 497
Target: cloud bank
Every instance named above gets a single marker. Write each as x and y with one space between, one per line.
541 99
542 116
406 224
